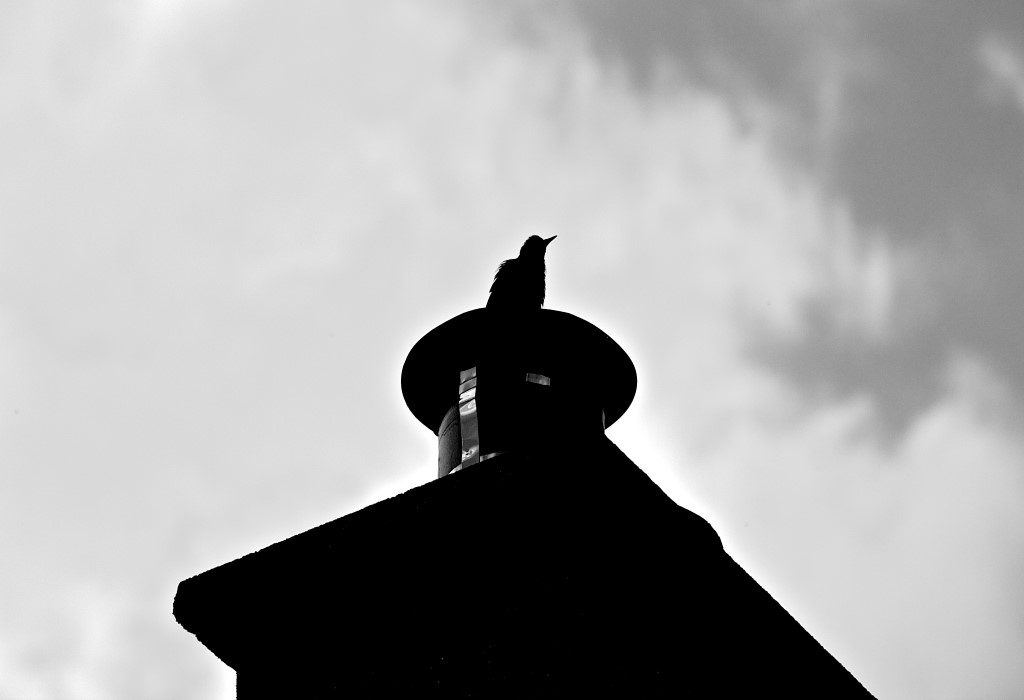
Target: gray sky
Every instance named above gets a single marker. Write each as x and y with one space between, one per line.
223 224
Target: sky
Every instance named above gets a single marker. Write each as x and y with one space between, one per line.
223 225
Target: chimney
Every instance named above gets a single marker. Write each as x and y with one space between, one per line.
539 383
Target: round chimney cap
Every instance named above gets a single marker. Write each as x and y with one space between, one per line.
554 343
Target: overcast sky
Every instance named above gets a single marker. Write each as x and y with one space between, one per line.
223 225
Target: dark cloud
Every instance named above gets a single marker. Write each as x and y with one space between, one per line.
885 103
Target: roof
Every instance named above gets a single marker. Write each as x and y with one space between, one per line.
495 582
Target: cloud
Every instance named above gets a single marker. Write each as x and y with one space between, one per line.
1004 68
215 260
901 559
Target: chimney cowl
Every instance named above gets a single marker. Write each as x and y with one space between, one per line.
487 383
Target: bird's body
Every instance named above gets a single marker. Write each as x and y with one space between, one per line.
519 282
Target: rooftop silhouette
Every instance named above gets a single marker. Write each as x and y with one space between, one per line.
541 563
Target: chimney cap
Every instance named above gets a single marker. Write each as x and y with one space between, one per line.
555 343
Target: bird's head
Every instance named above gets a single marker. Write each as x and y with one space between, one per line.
534 247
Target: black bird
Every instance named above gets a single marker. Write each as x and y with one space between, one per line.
519 283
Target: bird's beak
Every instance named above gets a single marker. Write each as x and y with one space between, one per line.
548 240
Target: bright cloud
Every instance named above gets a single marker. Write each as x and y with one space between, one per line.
1005 69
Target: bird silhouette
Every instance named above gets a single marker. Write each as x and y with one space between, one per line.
519 282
